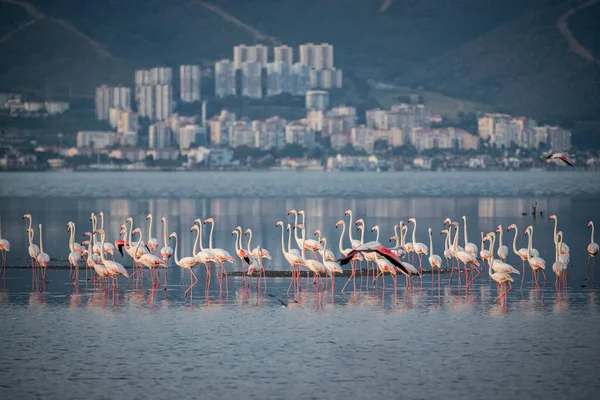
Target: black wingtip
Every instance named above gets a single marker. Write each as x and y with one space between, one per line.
120 248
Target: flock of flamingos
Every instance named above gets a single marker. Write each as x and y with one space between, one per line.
380 260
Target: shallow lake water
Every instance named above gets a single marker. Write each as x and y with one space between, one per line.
64 343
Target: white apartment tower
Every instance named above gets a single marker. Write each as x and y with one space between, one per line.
189 76
164 101
103 102
318 56
252 79
317 100
224 79
279 78
300 76
284 54
243 53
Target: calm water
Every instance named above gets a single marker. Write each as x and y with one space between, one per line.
425 344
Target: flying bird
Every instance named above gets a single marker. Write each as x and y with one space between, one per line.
560 156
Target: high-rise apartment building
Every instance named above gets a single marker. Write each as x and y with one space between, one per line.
108 97
284 54
279 78
318 56
189 77
164 101
252 79
243 53
224 78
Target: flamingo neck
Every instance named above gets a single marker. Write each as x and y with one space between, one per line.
515 241
592 237
150 229
491 252
465 231
249 240
529 240
350 227
501 233
303 242
194 252
175 254
165 233
362 234
201 233
295 230
212 227
324 247
102 221
102 247
342 237
414 237
135 251
377 237
555 225
430 243
282 240
71 238
455 245
41 241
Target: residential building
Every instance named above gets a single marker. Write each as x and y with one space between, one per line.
377 118
191 134
467 141
161 76
147 101
284 54
317 56
317 100
121 97
243 53
269 133
159 135
103 102
315 119
557 139
298 132
224 79
339 140
301 82
279 78
486 125
252 79
219 128
189 77
130 153
363 138
167 154
241 134
127 139
330 78
436 138
164 101
56 107
96 139
128 121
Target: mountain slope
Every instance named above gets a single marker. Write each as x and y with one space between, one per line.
524 67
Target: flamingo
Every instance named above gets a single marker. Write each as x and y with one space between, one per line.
311 244
328 255
470 248
522 252
331 266
221 255
258 251
501 278
400 251
74 256
239 249
592 250
185 263
150 261
167 251
96 246
501 266
559 157
296 237
447 251
564 249
203 256
558 266
419 248
292 258
33 248
502 250
353 242
313 265
536 263
369 257
408 246
462 255
109 248
43 259
255 264
345 252
114 268
4 246
376 247
100 269
152 241
131 247
484 254
435 261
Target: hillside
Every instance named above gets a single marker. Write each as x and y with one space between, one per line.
504 53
